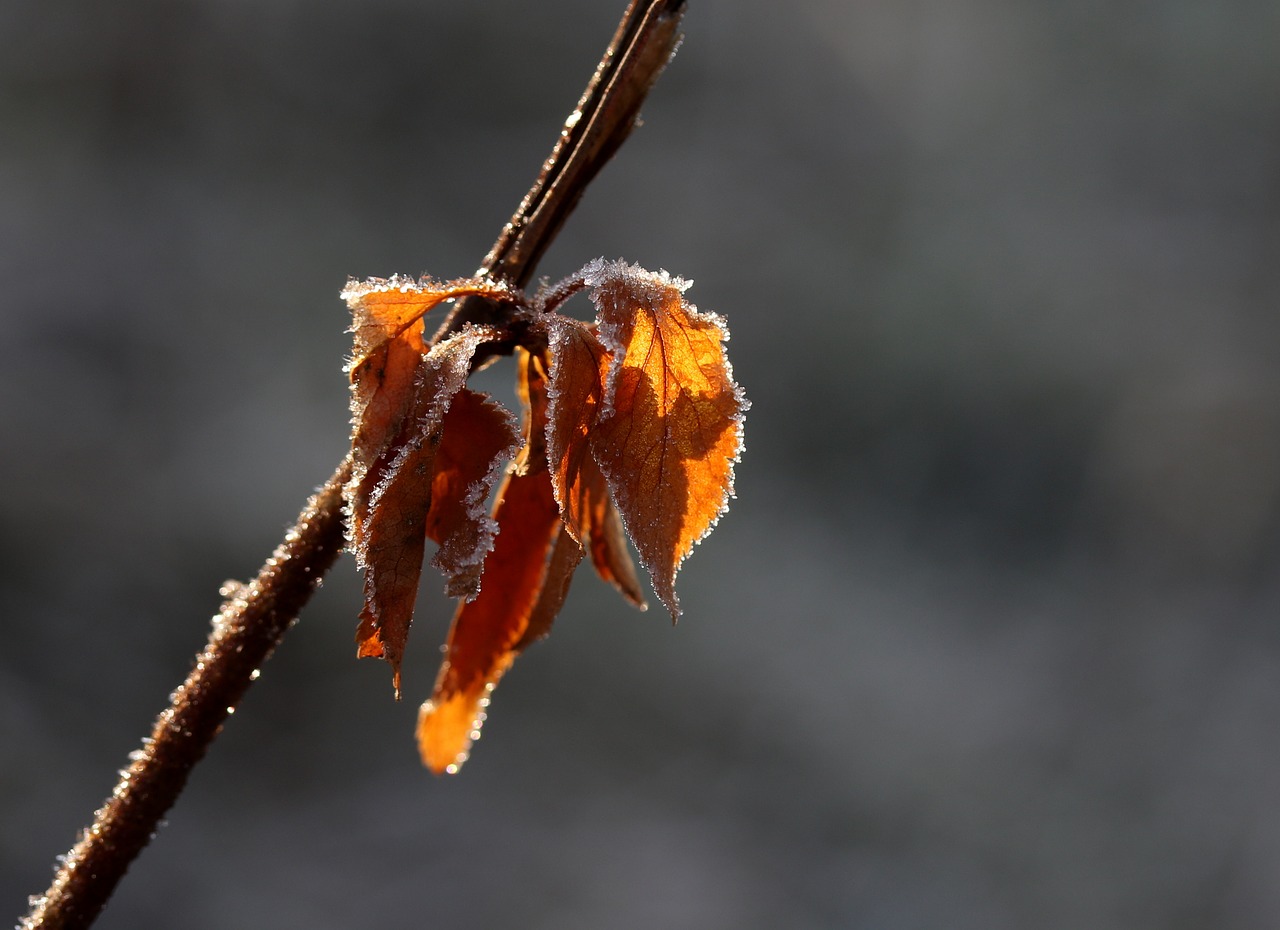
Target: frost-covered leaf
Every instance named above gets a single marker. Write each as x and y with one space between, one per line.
488 633
388 503
388 347
477 438
564 559
526 577
606 538
632 420
670 425
575 389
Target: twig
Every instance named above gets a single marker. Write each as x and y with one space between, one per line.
255 617
253 620
643 44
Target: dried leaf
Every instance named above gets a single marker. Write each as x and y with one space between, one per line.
489 632
575 389
388 347
565 556
670 425
388 504
526 578
634 420
477 438
531 385
606 538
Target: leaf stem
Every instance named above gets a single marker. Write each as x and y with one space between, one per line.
255 617
549 300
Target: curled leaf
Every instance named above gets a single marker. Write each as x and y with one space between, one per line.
633 421
384 369
606 539
477 438
388 503
489 632
526 577
575 390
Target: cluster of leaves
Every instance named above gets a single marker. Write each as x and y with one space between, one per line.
633 421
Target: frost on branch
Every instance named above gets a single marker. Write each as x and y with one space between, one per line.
633 421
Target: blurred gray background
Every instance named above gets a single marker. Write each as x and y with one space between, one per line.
989 638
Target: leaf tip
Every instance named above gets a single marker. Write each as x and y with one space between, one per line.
447 729
438 763
671 602
449 721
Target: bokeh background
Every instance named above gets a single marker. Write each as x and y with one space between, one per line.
989 639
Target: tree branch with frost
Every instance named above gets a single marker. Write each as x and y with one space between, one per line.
254 617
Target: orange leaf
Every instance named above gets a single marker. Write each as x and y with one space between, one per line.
477 438
489 632
388 345
388 504
634 420
526 578
575 387
565 556
531 388
670 426
606 539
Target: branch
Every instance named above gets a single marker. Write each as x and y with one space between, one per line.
645 40
254 617
252 621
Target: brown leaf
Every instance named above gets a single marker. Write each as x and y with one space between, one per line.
634 420
575 387
526 578
566 553
477 438
388 345
389 502
670 425
531 388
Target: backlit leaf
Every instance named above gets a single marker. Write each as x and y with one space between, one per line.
633 421
488 633
606 538
670 426
388 346
526 577
477 438
575 389
565 556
